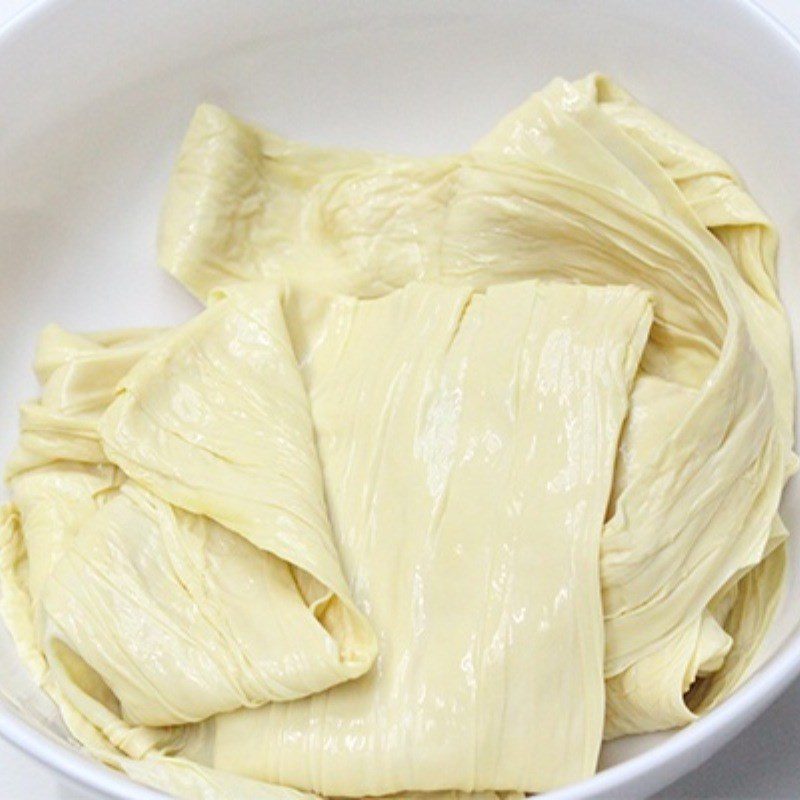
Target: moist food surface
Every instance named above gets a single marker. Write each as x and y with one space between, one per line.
469 463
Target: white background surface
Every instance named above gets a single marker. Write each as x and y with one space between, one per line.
761 764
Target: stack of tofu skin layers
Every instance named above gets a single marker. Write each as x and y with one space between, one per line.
469 463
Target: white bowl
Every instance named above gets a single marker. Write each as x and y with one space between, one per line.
96 97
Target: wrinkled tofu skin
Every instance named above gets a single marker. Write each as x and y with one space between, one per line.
179 616
580 183
453 398
468 463
433 408
184 591
78 374
217 422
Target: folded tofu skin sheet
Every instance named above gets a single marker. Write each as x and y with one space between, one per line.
469 463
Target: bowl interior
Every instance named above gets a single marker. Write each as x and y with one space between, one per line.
97 97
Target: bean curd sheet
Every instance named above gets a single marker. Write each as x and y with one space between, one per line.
468 464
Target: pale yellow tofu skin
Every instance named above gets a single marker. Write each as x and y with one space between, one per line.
468 444
432 408
179 616
469 463
579 183
216 421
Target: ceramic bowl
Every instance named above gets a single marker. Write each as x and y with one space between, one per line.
95 98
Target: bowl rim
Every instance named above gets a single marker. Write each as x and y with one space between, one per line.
717 727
